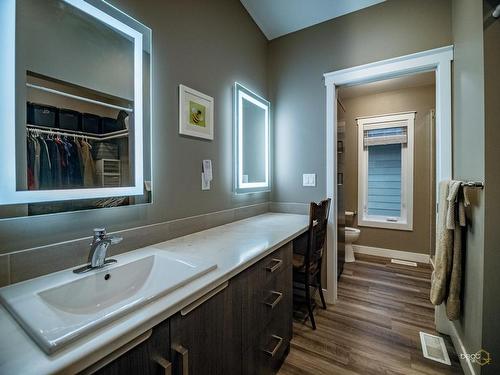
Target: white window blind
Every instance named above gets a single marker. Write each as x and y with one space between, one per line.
384 180
385 136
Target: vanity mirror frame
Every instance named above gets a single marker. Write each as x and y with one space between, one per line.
240 187
8 186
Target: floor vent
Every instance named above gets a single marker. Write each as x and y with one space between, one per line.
404 262
434 348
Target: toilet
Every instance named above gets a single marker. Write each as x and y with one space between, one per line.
351 236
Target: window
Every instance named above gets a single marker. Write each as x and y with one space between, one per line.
385 171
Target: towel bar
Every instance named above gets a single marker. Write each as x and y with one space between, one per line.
476 184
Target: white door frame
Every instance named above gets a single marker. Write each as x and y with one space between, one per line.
437 60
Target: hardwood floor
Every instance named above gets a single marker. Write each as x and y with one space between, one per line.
374 327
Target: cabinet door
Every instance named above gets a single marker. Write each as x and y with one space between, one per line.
206 340
150 357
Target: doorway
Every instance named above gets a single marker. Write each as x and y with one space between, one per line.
385 163
437 61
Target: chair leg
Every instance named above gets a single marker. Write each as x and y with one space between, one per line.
311 316
321 290
308 301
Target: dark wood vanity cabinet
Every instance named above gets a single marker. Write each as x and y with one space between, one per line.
267 313
244 327
207 340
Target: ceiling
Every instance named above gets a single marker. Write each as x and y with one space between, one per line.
279 17
392 84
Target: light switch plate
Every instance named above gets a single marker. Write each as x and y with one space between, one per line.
309 179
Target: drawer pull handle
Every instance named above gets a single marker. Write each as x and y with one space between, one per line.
273 267
278 298
183 354
165 365
273 352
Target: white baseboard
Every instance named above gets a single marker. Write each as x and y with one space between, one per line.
388 253
460 348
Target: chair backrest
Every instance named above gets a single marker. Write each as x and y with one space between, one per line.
318 222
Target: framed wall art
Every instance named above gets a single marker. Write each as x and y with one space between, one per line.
196 113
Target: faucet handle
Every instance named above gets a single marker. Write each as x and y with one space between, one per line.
115 239
99 232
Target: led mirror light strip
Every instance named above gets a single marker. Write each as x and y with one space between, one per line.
244 96
241 94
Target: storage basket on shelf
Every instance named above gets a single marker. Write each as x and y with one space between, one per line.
91 123
110 125
106 150
69 119
41 115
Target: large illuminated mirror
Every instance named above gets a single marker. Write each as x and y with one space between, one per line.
75 107
252 141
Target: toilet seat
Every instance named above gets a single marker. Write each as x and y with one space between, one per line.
352 230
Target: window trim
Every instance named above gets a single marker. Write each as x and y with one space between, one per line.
379 122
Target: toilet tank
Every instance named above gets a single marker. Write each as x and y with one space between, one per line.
349 218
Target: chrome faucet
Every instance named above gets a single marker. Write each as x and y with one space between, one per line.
98 250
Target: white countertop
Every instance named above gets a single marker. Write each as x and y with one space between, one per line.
234 247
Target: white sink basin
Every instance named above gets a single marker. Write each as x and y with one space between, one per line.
59 308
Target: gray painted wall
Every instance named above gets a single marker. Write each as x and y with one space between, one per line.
468 135
207 46
298 61
491 297
422 100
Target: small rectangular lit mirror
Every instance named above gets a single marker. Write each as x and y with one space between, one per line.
76 116
252 141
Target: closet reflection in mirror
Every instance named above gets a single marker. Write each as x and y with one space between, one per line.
82 105
252 141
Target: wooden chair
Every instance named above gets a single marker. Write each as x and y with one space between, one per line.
308 254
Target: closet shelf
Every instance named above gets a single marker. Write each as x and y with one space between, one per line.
79 134
62 93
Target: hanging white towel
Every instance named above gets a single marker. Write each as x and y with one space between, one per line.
447 275
444 243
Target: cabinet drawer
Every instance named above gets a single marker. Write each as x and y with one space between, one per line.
272 265
263 303
271 348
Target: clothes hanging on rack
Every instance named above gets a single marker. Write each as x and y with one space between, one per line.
30 146
58 163
45 166
89 172
55 157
